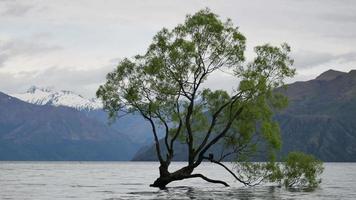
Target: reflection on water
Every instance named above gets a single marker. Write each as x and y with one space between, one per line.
246 193
130 180
185 192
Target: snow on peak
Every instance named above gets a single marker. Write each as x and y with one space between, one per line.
49 96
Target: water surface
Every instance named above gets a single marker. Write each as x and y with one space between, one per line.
130 180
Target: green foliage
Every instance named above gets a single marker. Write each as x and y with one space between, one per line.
297 170
301 170
164 85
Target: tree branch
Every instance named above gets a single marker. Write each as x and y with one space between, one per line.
154 131
217 138
227 169
179 126
189 131
166 130
213 121
207 179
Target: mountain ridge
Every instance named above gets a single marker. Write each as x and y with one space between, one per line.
46 132
92 108
329 75
50 96
319 120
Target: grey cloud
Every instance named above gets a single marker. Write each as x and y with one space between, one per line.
15 8
347 57
339 17
97 31
3 59
308 59
81 81
11 83
13 48
341 25
312 59
341 35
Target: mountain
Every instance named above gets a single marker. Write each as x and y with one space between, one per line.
320 119
329 75
49 96
132 125
45 132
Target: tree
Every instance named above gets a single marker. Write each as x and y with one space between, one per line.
165 86
301 170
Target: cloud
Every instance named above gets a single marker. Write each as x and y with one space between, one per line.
309 59
80 40
339 17
81 81
340 25
3 58
14 8
20 48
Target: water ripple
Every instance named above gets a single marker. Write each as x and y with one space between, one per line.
118 181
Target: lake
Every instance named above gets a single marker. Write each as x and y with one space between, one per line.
130 180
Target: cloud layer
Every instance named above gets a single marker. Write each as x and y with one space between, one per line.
71 46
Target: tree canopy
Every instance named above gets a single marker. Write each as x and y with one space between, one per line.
165 86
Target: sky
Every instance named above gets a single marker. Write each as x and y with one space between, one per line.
72 45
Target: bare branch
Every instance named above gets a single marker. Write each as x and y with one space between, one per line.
207 179
154 131
227 169
179 125
166 130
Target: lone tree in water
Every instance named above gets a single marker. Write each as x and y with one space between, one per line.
165 86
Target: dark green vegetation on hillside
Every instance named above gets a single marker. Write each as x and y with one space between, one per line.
165 86
321 117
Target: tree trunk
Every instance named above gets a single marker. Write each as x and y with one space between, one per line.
162 182
184 173
166 177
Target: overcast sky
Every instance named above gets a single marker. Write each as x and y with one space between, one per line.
72 44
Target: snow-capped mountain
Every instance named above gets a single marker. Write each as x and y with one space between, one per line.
49 96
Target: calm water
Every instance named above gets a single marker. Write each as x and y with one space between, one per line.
130 180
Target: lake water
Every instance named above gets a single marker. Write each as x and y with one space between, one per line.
130 180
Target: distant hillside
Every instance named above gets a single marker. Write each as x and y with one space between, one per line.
320 119
133 126
33 132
